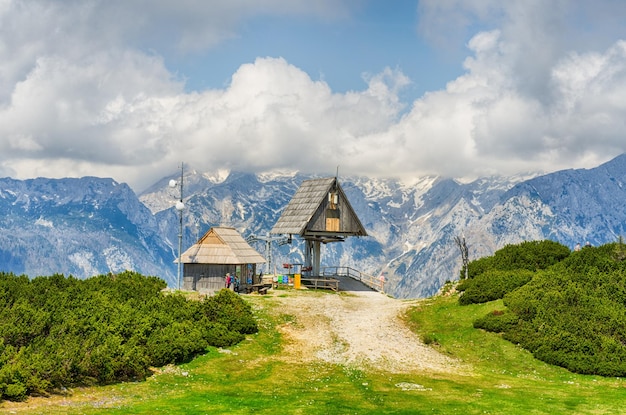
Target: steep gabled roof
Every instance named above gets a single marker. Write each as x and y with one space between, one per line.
306 203
221 245
302 206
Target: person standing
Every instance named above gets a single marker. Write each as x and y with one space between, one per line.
228 281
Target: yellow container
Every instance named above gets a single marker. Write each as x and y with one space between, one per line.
296 281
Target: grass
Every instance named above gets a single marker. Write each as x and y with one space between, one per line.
250 378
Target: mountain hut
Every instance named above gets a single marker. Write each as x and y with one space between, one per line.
221 250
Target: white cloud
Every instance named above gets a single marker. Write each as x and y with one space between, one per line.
274 115
96 109
482 124
79 95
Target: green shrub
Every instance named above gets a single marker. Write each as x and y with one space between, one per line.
15 391
492 285
528 255
58 332
572 314
463 284
479 266
219 335
22 323
176 343
497 321
230 310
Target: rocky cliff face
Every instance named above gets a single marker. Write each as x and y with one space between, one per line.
79 227
91 225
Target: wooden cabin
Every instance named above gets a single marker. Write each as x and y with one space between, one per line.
320 213
221 250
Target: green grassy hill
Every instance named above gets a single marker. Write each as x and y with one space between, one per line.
252 378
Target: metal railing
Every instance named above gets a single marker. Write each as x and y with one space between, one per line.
376 283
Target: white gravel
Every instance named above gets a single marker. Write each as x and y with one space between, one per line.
360 329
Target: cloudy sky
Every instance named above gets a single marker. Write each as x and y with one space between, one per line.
129 89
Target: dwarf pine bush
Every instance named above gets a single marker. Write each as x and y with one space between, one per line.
59 332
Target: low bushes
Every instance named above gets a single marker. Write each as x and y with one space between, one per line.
528 255
492 285
497 321
490 278
58 332
571 315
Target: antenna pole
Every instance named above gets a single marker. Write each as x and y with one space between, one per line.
180 231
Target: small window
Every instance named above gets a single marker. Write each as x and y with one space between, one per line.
333 200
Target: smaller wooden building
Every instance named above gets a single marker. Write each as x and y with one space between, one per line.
221 250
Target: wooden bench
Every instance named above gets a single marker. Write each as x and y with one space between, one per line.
259 288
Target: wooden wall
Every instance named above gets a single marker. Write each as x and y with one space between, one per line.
335 218
211 277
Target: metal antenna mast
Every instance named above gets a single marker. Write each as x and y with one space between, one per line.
180 206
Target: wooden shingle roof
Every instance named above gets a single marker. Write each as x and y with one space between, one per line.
302 214
302 206
221 245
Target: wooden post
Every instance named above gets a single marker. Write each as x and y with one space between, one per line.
316 257
308 252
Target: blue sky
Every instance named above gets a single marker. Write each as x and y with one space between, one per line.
339 51
456 88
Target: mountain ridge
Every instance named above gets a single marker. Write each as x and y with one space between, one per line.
96 225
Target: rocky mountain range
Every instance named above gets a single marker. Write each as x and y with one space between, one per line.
81 227
91 225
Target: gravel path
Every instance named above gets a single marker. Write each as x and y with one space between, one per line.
359 328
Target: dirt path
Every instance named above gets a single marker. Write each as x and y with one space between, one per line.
360 328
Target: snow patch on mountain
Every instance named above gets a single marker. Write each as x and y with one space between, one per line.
84 260
117 259
217 176
274 175
42 222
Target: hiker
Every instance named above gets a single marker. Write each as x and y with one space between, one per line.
228 281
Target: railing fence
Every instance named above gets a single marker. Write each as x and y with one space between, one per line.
377 283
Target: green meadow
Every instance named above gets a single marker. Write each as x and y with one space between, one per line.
498 377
